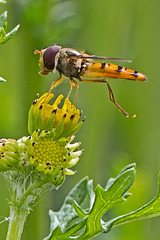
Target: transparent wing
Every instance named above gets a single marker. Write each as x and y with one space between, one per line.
103 58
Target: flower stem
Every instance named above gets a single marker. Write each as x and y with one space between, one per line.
16 223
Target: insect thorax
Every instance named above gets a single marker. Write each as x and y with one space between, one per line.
68 63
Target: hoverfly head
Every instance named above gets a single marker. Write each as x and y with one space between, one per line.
48 59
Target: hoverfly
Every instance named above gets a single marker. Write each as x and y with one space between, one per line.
80 66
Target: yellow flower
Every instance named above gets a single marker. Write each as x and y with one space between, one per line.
52 130
44 116
48 153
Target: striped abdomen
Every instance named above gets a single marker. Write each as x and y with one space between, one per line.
111 71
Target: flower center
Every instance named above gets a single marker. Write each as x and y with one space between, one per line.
49 152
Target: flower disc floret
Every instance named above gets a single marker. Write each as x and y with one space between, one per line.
48 152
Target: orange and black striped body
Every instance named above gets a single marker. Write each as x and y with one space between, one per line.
98 70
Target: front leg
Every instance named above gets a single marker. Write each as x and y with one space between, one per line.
56 83
73 82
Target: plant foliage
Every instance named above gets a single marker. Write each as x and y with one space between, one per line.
4 36
88 222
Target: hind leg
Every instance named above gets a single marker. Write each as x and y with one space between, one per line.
111 95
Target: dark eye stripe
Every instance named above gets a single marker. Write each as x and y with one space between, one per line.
49 57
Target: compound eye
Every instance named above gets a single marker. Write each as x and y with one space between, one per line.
49 57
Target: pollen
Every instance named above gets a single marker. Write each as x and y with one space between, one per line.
48 153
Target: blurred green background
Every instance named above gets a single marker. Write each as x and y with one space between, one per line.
119 28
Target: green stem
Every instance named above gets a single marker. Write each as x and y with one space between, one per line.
16 223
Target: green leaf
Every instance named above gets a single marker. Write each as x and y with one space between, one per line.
100 201
106 199
2 79
112 180
66 214
5 37
91 193
3 18
150 210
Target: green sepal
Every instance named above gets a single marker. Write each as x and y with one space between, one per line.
38 118
12 155
50 122
35 134
51 176
76 128
31 119
53 133
59 128
4 166
8 163
59 180
67 129
11 146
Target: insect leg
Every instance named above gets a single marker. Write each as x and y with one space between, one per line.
72 85
55 83
111 95
73 82
112 99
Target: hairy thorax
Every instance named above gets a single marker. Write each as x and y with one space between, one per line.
69 64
